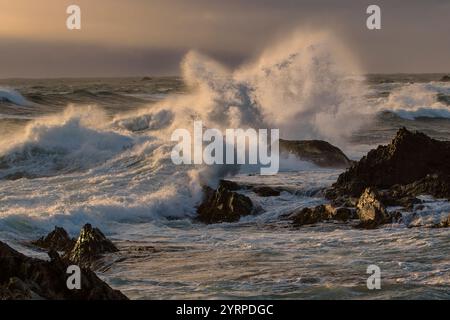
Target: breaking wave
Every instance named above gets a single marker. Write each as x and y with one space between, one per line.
14 97
85 164
419 100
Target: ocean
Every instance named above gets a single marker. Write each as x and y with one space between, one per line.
98 150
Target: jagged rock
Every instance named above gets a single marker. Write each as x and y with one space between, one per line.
370 210
445 78
266 191
58 240
22 277
223 205
408 158
436 185
89 247
319 152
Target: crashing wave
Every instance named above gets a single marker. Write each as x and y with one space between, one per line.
14 97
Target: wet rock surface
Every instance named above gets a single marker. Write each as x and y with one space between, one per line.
223 205
371 211
22 277
318 152
321 213
394 175
58 240
410 157
89 247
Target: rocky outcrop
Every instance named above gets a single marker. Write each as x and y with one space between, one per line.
445 78
306 216
318 152
371 212
410 157
89 247
223 205
22 277
436 185
58 240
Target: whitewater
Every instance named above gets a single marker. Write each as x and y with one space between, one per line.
98 150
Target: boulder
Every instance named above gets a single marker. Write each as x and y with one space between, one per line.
89 247
223 205
58 240
371 212
319 152
22 277
410 156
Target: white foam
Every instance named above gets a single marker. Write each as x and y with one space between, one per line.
13 96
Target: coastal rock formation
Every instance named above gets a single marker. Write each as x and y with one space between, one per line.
318 152
58 240
89 247
223 205
371 212
22 277
445 78
320 213
410 157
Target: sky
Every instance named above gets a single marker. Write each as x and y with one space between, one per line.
150 37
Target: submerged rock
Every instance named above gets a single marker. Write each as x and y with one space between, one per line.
89 247
58 240
318 152
410 156
223 205
22 277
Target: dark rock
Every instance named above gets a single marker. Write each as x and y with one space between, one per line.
321 213
370 210
223 205
58 240
146 79
445 78
22 277
436 185
408 158
89 247
343 214
318 152
230 185
307 216
266 191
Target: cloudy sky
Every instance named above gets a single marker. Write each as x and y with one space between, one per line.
150 37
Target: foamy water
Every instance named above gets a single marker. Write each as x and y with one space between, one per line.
98 151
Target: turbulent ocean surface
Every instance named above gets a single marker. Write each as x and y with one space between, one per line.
74 151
